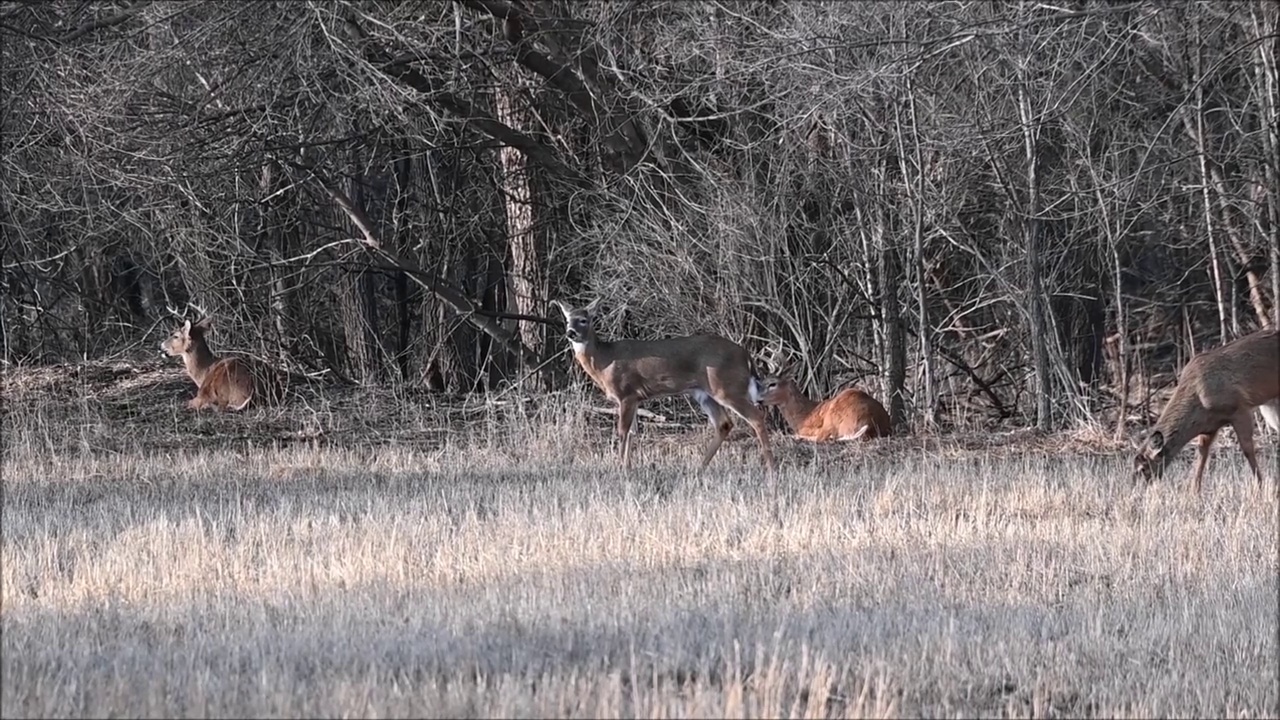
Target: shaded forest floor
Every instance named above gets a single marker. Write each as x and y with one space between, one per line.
114 406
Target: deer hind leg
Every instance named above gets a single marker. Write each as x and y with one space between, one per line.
1203 443
755 418
720 421
626 417
1242 421
201 400
1271 414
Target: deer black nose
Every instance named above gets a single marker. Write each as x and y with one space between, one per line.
571 334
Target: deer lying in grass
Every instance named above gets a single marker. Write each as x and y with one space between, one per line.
1218 387
716 372
228 383
851 415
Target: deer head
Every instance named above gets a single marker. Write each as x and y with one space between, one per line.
186 337
578 322
1149 462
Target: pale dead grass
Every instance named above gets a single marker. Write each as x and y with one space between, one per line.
512 571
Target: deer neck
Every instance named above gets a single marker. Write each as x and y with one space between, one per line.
198 360
797 408
593 354
1178 422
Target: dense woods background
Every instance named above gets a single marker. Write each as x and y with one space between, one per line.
983 211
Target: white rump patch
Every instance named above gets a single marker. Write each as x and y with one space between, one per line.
1271 413
754 391
861 431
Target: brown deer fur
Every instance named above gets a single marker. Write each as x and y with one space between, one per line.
222 383
716 372
1217 387
850 415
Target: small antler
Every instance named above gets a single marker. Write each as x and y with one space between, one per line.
774 357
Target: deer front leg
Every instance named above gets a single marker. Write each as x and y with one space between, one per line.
626 416
1203 443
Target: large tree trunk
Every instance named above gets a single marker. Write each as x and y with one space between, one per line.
358 300
526 277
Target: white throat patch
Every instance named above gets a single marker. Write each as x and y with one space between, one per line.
578 347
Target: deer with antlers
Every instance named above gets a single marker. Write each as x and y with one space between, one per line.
1218 387
851 414
716 372
223 383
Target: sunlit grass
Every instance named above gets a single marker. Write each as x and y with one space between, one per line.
516 572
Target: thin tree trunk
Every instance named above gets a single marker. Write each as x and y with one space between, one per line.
1122 340
1035 290
1195 129
895 359
272 237
1257 295
405 297
1265 22
914 183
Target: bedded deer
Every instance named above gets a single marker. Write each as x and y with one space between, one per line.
227 383
1217 387
716 372
851 415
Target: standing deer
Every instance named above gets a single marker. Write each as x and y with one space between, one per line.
850 415
222 383
716 372
1218 387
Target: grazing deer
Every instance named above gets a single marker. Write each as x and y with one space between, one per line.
1218 387
717 373
850 415
222 383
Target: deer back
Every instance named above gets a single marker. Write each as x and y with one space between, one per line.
653 368
845 416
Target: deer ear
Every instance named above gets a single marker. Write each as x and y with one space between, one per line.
202 324
564 308
186 327
593 306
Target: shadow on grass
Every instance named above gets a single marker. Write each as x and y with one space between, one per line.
232 654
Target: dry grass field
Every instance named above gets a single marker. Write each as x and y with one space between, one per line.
371 556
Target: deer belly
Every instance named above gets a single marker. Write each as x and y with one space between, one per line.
704 400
